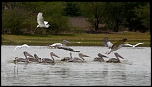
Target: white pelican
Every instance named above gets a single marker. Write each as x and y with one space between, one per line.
24 45
115 60
100 58
133 45
46 60
63 46
55 45
41 22
76 59
113 47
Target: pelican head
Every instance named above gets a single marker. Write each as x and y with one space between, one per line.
52 54
117 55
82 55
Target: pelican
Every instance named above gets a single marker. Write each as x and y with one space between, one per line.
113 47
100 58
67 58
30 57
17 59
133 45
55 45
46 60
41 22
63 46
38 59
115 60
24 45
76 59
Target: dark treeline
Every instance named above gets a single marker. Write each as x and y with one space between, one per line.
20 17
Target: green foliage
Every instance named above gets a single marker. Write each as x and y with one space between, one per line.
143 12
72 9
117 15
21 17
94 12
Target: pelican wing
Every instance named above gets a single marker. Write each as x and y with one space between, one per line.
118 44
100 55
40 19
25 45
17 47
128 45
138 44
107 43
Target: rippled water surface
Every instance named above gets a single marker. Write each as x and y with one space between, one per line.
134 69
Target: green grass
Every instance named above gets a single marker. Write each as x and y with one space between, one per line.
85 39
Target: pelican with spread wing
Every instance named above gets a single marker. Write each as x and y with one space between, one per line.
113 47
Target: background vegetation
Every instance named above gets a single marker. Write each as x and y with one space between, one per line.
20 17
76 39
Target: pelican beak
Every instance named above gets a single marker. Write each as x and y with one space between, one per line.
117 55
54 55
84 55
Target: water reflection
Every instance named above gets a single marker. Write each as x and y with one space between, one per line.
134 70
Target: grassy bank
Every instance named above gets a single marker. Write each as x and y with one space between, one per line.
84 39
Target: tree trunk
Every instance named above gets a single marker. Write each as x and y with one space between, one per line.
116 27
96 24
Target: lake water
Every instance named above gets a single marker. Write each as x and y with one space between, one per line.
134 69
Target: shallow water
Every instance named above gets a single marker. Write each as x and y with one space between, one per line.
134 69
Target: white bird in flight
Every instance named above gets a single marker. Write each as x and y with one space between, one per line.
133 45
24 45
55 45
41 22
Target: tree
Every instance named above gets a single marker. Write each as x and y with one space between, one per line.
143 13
94 12
72 9
115 14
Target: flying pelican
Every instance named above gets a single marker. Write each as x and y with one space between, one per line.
100 58
55 45
67 58
47 60
76 59
41 22
113 47
24 45
133 45
63 46
115 60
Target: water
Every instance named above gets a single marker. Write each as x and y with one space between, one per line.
134 70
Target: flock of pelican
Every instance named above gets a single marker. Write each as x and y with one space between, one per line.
41 23
100 58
